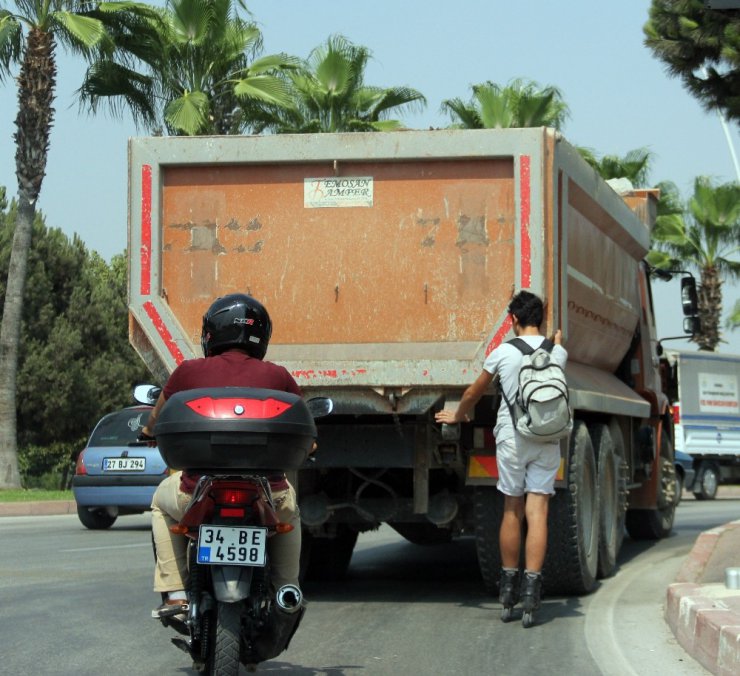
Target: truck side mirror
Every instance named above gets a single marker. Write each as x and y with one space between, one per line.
689 299
692 325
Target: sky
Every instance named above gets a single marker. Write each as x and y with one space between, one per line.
620 98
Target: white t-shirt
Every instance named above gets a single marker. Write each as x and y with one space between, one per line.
505 362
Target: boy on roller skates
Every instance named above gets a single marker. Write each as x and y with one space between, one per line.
527 466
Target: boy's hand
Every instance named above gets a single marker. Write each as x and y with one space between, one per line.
557 337
449 417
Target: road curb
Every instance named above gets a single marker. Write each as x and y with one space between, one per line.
40 508
705 618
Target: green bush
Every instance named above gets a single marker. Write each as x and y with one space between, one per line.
49 467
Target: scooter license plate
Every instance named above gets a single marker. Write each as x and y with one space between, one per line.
232 545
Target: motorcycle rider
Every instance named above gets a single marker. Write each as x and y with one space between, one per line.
235 334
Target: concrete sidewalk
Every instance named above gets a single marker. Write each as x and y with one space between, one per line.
702 613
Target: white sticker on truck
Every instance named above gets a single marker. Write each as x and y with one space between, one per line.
718 393
343 191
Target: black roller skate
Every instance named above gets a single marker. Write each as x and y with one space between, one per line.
530 596
508 592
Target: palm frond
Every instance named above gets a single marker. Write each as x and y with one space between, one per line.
188 114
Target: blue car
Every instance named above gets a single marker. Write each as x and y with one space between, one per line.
115 475
685 473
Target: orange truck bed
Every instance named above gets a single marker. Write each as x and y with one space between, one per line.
386 260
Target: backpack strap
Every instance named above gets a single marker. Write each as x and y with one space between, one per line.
525 348
547 345
521 345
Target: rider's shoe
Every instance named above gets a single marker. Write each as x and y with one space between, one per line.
176 609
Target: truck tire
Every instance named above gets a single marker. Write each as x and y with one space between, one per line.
488 506
327 559
96 518
679 485
571 564
707 482
420 533
611 498
655 524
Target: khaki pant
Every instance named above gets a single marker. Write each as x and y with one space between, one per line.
171 571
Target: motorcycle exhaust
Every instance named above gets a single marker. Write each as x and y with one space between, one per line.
289 598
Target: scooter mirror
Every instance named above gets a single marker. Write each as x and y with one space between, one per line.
318 407
147 394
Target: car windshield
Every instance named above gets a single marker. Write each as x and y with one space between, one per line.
118 429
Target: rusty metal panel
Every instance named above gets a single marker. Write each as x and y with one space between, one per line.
603 244
406 287
427 263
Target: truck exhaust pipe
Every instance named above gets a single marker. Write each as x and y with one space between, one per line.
289 598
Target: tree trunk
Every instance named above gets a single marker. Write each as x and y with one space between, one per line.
10 332
710 309
36 84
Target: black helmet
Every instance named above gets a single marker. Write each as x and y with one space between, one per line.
236 320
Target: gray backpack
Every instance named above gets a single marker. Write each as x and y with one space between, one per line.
541 410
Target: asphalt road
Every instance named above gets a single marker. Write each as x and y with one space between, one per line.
76 602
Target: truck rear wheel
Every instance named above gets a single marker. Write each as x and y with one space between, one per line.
327 559
611 497
654 524
707 481
571 564
488 505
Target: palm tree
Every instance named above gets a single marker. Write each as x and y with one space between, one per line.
189 67
29 37
733 321
705 238
519 104
698 43
634 166
329 95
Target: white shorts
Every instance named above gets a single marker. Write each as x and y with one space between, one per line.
527 467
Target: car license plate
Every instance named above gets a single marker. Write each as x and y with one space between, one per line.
124 464
233 546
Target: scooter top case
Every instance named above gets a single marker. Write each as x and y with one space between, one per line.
234 428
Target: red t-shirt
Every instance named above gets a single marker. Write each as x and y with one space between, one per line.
232 368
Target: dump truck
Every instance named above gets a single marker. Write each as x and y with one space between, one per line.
387 261
704 390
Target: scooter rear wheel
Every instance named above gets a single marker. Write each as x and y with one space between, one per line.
223 658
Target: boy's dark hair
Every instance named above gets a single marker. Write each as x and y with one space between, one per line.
527 308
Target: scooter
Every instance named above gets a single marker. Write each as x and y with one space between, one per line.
235 438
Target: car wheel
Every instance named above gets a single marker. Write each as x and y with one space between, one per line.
705 485
96 518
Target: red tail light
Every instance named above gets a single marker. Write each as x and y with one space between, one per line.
232 496
231 499
676 414
238 408
80 464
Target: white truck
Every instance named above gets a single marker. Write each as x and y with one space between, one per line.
704 388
